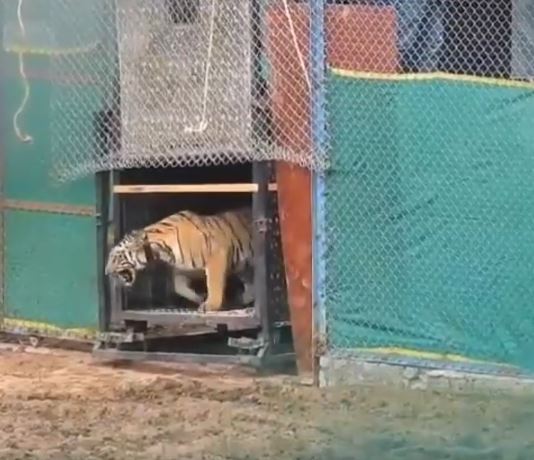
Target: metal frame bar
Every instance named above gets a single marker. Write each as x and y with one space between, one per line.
259 211
169 317
260 177
116 296
256 361
102 225
319 138
115 354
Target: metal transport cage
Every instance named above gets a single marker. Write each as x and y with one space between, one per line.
163 50
147 322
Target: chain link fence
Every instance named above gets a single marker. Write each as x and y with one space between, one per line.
430 194
168 82
429 112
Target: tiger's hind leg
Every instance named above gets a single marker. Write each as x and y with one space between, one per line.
247 278
216 272
183 288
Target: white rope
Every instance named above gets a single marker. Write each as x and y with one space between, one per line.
296 44
203 125
22 137
19 17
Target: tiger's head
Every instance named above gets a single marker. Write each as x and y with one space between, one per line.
127 258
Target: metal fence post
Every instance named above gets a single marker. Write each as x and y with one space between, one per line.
318 123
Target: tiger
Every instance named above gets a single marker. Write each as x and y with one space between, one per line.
195 246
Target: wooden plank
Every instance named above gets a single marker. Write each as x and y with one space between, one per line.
190 188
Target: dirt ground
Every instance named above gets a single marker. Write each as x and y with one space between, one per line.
63 405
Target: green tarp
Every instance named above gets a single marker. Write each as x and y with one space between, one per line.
49 260
430 218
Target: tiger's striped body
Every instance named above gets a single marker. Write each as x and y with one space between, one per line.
195 246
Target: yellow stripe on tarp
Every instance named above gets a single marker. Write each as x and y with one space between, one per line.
427 355
432 76
46 329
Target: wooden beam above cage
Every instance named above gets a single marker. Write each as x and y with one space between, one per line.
190 188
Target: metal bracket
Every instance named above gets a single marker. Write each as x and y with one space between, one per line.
262 225
246 343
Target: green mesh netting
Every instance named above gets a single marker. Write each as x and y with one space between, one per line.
430 217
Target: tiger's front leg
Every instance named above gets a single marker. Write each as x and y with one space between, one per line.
216 272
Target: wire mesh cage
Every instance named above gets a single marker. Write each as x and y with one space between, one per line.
188 82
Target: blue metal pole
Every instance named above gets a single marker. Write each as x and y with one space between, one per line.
319 139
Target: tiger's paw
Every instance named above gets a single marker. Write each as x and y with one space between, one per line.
205 307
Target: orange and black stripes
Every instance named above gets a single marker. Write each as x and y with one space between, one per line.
211 245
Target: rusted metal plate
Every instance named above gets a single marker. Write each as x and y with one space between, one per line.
372 34
291 114
294 202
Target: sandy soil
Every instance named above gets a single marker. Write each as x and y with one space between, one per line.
62 405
